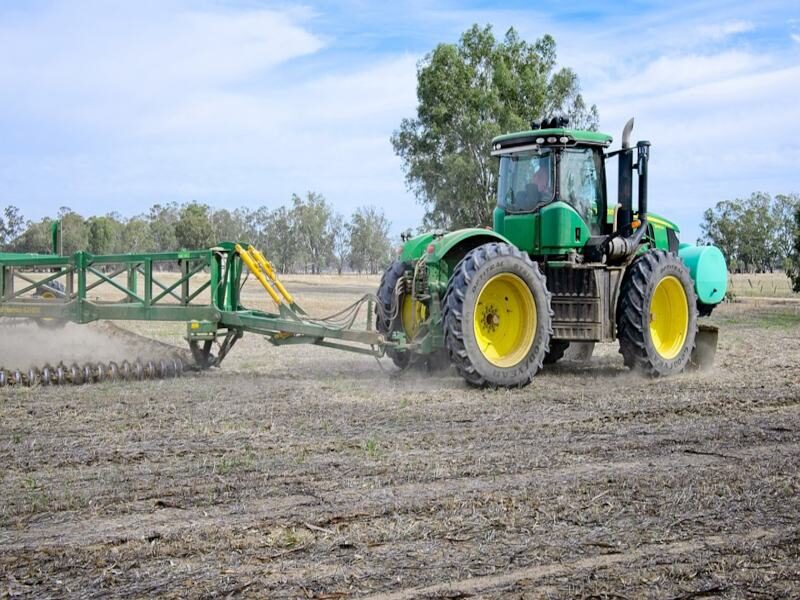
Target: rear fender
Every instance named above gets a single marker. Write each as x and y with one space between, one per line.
443 251
435 247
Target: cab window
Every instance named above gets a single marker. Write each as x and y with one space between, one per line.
526 181
580 184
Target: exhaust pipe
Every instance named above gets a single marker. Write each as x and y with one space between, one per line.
626 134
623 247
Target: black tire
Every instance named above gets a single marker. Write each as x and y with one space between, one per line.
466 285
705 310
54 289
635 314
556 352
384 322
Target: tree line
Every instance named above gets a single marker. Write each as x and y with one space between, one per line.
306 235
757 234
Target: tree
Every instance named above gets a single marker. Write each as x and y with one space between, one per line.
280 240
370 248
162 220
12 224
468 94
754 234
231 226
719 227
339 233
756 229
794 257
74 232
103 235
783 211
137 236
35 239
193 229
311 216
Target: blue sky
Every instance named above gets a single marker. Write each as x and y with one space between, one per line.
113 106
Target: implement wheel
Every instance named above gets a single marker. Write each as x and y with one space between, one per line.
657 314
201 352
497 317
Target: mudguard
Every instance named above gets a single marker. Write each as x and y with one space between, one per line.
436 246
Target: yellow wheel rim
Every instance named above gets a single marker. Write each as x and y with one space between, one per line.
505 320
47 295
669 317
412 313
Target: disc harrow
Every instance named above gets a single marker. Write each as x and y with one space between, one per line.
92 372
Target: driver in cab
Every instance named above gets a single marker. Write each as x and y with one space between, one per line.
538 190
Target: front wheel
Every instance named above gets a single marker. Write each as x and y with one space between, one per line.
497 317
657 314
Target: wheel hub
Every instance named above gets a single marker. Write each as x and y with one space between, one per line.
491 320
505 341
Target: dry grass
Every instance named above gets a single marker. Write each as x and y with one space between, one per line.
303 472
767 285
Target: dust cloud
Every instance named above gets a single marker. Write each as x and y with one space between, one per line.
28 344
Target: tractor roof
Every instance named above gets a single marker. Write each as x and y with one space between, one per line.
550 137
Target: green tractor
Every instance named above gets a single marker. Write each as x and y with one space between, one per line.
560 266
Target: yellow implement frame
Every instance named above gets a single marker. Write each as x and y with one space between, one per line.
263 270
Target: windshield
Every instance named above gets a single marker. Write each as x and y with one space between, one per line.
580 184
526 181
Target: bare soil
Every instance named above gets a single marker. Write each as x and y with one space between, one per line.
305 472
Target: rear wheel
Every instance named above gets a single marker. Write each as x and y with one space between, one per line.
657 314
400 312
497 317
51 291
556 352
572 351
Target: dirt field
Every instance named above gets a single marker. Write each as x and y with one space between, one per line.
303 472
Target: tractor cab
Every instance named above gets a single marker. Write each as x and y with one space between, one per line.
533 178
552 188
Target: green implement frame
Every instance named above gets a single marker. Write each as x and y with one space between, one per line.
206 295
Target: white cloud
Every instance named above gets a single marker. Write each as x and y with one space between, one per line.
720 31
714 106
182 105
124 59
718 138
796 37
667 74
